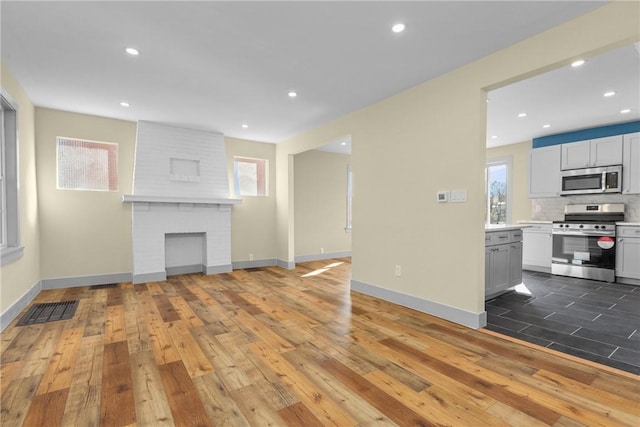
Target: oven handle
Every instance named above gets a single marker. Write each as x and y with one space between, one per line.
584 233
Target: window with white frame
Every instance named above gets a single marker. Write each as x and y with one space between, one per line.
498 190
250 176
349 197
86 165
10 248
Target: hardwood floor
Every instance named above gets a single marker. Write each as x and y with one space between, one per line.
269 346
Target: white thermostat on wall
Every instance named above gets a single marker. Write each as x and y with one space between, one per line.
442 196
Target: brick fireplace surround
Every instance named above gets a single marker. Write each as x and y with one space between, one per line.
181 190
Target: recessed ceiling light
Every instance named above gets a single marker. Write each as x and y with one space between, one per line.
124 104
608 94
132 51
292 94
494 136
578 63
522 115
398 28
625 111
245 126
546 126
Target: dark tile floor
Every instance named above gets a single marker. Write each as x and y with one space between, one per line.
593 320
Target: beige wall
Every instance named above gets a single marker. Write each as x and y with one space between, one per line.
83 233
521 204
320 190
18 277
432 138
253 223
89 233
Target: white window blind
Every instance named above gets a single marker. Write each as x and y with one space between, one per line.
250 176
87 165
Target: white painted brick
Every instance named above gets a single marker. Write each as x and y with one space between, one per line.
156 144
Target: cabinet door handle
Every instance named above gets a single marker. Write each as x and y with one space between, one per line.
620 240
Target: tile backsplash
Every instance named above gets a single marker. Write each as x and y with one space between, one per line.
552 209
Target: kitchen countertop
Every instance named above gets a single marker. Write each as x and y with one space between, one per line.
504 227
532 221
635 224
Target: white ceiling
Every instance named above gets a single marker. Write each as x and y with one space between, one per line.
567 98
217 65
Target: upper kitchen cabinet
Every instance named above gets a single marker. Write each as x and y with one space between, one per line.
592 153
544 172
631 163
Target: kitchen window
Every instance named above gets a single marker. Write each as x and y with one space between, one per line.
86 165
10 248
498 190
250 176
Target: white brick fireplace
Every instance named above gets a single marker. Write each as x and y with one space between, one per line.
181 210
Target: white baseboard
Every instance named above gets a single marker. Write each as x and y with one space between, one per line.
453 314
14 310
289 265
320 257
238 265
217 269
72 282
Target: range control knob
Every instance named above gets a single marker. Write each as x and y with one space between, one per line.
582 226
602 227
596 227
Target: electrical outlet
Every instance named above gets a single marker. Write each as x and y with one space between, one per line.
250 257
398 270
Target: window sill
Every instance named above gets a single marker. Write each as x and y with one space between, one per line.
10 254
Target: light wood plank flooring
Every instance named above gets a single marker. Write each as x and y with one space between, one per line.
272 347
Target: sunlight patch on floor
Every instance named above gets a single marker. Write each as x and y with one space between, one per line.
322 270
522 289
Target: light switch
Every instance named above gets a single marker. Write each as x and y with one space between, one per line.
458 196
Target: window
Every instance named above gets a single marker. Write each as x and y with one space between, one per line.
349 197
250 176
87 165
498 190
10 248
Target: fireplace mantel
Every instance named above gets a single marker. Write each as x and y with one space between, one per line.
133 198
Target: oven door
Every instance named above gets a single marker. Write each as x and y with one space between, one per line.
588 255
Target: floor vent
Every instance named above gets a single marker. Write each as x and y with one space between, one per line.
49 312
107 286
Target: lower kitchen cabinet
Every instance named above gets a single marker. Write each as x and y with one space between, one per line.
628 254
497 269
503 261
537 247
515 263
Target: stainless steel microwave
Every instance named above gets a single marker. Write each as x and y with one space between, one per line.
606 179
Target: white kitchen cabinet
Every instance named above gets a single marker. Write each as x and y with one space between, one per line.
503 261
544 172
592 153
628 254
537 247
631 163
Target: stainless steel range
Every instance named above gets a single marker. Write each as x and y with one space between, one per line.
584 244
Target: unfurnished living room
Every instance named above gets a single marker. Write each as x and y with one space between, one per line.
277 213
